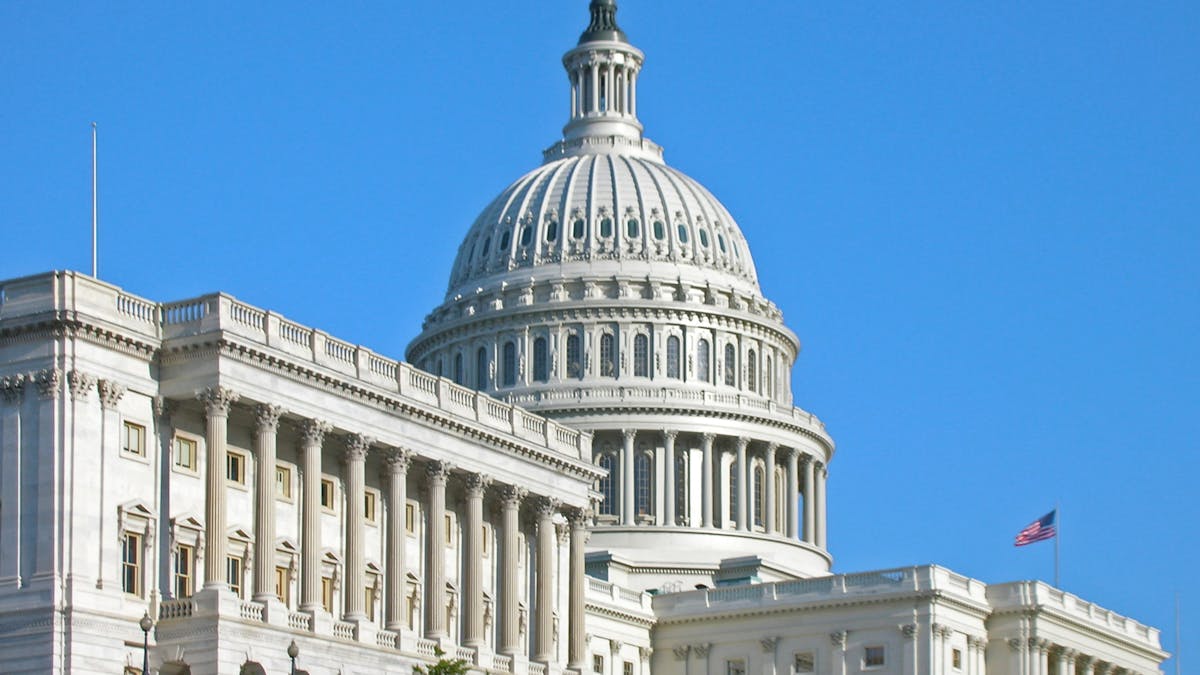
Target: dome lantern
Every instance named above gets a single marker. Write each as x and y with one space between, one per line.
603 70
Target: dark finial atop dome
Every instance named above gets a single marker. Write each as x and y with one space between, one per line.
603 25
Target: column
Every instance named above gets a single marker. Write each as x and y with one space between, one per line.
668 481
12 388
821 474
810 500
510 629
266 427
355 459
1066 661
110 394
396 465
473 635
741 516
627 483
706 481
217 402
577 648
312 435
547 548
769 488
595 73
633 93
610 90
435 550
793 518
1086 663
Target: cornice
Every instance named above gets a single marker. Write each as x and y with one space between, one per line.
781 608
647 620
1041 610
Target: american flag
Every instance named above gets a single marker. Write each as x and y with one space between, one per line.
1039 530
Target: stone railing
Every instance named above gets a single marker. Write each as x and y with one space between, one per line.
299 621
251 611
609 593
502 663
176 609
537 669
387 639
426 648
343 630
465 653
107 305
1036 594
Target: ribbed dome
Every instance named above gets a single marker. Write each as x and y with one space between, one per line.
614 213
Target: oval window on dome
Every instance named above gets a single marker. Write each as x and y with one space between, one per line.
577 228
504 239
721 242
606 228
659 230
632 229
551 230
683 237
487 245
526 235
704 238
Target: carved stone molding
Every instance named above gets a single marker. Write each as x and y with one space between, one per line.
217 401
701 650
266 417
681 652
12 388
80 383
164 408
909 630
546 507
512 495
49 383
769 643
1014 644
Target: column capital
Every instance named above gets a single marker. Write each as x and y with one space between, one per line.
546 507
838 638
313 430
1104 668
708 438
49 383
512 495
670 435
578 517
476 483
629 434
357 446
12 387
110 394
397 461
266 417
772 448
769 643
80 383
742 442
437 471
1084 660
164 408
804 459
217 400
909 630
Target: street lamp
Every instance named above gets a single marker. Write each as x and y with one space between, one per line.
292 652
146 624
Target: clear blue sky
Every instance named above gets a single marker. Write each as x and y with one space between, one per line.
980 218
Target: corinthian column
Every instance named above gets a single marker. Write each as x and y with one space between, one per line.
706 482
810 501
266 426
627 482
435 551
510 629
577 649
547 547
312 435
769 488
217 402
396 465
742 513
355 460
473 636
668 481
821 475
789 493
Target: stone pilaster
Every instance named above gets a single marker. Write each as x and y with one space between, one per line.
436 473
266 428
312 437
396 464
12 395
217 402
473 635
355 459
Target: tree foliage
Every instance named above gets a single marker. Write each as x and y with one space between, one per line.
444 666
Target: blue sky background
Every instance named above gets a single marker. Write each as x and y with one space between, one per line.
982 221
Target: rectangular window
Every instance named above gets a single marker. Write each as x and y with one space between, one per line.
134 439
873 657
185 560
369 506
803 662
369 602
627 668
598 664
184 450
131 563
233 574
327 594
735 667
235 468
326 494
281 584
484 536
410 518
956 659
283 482
449 530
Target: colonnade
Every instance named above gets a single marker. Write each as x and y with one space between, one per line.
805 475
1047 658
396 464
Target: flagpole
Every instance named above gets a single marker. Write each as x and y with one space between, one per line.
1178 647
94 211
1057 537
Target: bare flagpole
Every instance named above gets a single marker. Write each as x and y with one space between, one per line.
1057 537
94 211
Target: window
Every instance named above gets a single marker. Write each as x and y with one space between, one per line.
730 365
643 477
458 369
551 230
541 372
448 527
606 227
235 467
233 575
327 594
183 451
526 235
627 668
956 659
641 356
769 379
131 563
704 237
803 662
577 228
608 486
481 368
659 230
410 518
721 242
752 371
510 364
574 360
369 602
735 667
134 440
504 240
487 245
185 570
608 356
327 494
598 664
683 233
283 482
758 495
681 487
873 657
281 584
702 360
673 357
631 228
733 492
369 501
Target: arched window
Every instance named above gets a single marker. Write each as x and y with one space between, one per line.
526 235
769 379
704 238
481 368
458 369
641 356
504 240
608 486
752 371
721 242
487 246
510 364
574 357
733 492
631 228
681 488
659 230
702 360
540 371
673 357
551 230
758 495
643 478
730 365
608 355
606 227
683 233
577 228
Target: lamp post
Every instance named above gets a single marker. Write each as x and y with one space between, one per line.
293 651
146 624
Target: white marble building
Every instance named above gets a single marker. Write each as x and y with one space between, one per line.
595 465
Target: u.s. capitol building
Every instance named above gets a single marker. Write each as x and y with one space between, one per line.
590 463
